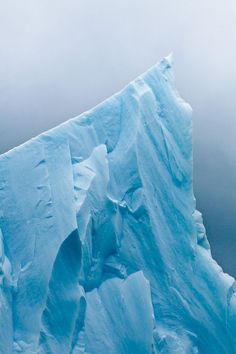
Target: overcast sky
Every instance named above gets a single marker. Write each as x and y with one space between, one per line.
59 58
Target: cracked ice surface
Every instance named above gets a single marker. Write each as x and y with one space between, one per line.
101 248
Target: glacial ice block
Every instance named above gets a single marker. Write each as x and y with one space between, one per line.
101 248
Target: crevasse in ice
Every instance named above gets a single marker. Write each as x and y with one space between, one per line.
102 250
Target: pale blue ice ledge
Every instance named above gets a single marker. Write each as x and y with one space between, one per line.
102 250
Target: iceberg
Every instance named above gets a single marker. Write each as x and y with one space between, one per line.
101 247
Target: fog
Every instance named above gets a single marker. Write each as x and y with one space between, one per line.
59 58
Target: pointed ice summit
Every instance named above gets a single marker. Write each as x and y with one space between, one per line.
102 250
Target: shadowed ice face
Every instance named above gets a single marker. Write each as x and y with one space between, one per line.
61 58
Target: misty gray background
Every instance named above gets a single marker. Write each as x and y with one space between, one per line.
59 58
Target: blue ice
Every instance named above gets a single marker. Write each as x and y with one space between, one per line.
101 248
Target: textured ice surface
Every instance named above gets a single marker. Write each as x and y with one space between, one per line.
101 248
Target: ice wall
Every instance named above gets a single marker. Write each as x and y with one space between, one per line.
102 250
